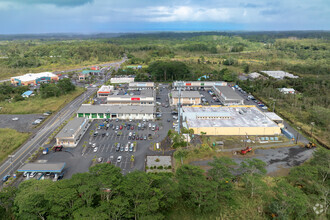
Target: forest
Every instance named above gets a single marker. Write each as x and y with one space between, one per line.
227 190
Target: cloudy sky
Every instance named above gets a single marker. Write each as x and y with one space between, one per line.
94 16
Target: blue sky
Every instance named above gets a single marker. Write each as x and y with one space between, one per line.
94 16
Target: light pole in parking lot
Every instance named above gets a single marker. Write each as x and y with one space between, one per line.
180 84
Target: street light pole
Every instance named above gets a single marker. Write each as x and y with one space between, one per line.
297 135
11 162
312 123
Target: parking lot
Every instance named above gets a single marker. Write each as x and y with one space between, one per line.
80 158
22 124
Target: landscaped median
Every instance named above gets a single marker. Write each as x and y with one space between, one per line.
10 140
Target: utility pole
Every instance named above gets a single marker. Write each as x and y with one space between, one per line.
297 134
312 123
274 105
11 162
180 84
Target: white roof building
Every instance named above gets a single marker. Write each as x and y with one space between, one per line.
280 74
254 75
287 90
122 79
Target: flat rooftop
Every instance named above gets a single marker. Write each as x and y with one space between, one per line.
218 116
42 167
279 74
162 161
70 128
141 84
273 116
229 93
120 109
186 94
34 76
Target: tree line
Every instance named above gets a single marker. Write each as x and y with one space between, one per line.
104 193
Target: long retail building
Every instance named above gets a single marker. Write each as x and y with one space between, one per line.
233 120
125 112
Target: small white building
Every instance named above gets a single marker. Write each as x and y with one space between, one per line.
287 90
122 79
254 75
104 91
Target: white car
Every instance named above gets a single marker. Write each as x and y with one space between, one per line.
14 119
264 107
126 148
119 159
95 149
94 145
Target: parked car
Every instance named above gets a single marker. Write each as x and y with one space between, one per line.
33 174
25 174
126 148
122 148
119 159
94 145
118 147
145 137
5 178
45 151
132 127
95 149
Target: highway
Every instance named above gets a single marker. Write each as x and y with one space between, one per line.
48 127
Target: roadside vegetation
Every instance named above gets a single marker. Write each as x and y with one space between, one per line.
10 140
226 191
38 104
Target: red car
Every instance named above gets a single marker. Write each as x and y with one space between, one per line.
132 127
120 127
58 148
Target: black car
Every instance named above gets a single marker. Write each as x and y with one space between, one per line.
168 120
103 134
129 137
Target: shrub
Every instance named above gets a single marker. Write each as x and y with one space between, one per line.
160 167
157 160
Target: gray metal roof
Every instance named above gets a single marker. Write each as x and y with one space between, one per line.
70 128
229 93
238 117
186 94
120 109
42 167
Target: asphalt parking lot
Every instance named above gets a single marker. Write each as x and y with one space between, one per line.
79 160
23 124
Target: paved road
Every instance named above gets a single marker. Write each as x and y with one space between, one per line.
24 152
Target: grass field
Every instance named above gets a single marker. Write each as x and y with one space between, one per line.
10 140
37 104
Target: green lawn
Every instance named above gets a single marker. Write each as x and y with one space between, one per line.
37 104
10 140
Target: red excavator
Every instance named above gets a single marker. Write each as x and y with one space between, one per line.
246 150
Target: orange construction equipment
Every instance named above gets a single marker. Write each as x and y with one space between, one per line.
310 145
246 150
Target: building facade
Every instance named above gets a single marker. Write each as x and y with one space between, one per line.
196 85
143 98
141 85
116 111
33 79
186 98
121 80
72 132
216 120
